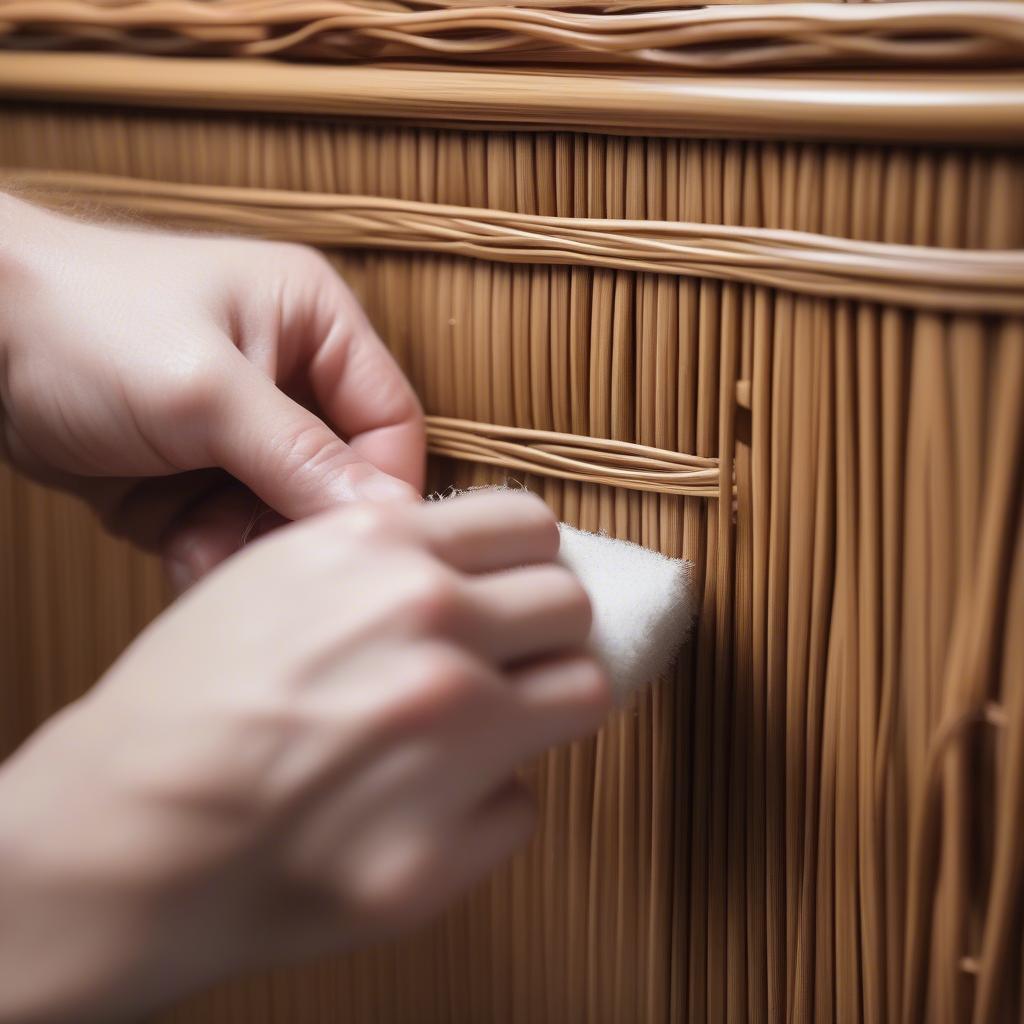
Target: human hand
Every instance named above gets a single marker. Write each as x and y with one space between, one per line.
312 749
164 377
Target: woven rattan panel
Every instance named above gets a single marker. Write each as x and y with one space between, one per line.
818 817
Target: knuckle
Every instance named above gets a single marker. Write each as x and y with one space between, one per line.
192 389
540 520
527 512
568 594
433 599
434 685
309 450
581 697
389 890
447 679
537 512
595 688
371 523
311 446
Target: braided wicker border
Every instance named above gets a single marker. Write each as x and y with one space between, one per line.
983 281
592 460
738 37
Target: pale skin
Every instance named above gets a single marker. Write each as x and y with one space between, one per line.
316 746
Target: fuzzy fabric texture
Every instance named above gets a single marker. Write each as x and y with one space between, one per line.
643 603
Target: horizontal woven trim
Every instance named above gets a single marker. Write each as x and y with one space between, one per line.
972 107
810 264
937 33
590 460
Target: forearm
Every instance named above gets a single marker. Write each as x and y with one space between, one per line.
54 929
84 934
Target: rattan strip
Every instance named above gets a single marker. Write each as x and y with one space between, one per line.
937 33
589 460
801 262
982 107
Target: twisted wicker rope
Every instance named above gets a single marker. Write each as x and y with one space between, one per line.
908 275
571 457
744 36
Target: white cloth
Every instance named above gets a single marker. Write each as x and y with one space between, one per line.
643 604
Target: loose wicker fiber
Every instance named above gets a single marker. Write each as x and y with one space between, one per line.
820 817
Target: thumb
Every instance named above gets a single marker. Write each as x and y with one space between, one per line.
289 457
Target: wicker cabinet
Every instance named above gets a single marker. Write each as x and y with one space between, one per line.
744 283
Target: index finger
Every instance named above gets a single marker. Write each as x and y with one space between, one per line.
490 530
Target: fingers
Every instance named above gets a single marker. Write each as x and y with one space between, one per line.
542 707
470 725
478 532
526 613
573 681
509 614
487 531
361 389
492 604
518 604
289 457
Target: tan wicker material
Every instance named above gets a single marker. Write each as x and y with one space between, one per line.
941 33
770 322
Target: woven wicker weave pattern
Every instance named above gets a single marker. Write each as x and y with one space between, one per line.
787 829
950 198
938 32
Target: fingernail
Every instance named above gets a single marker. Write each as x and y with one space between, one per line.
380 487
